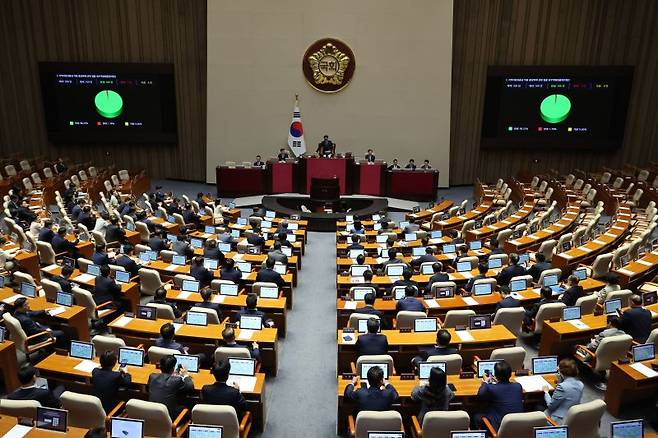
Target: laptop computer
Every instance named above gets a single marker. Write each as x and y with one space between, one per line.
425 367
196 243
211 264
475 245
269 292
171 219
544 365
449 248
570 313
486 365
627 429
172 238
403 224
524 259
581 273
418 251
131 356
394 270
468 434
189 361
178 260
386 434
436 234
482 289
245 267
251 322
235 233
64 299
644 352
196 318
242 366
381 238
410 237
495 263
363 326
398 292
477 322
121 427
552 432
280 268
209 229
649 298
291 238
354 253
266 224
363 372
68 261
122 276
552 280
94 270
51 419
3 334
144 257
610 307
270 214
202 431
228 289
358 270
242 221
224 247
153 255
29 290
81 350
427 269
146 312
425 325
445 292
518 285
464 266
190 286
287 251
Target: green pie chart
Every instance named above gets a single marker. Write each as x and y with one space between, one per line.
109 104
555 108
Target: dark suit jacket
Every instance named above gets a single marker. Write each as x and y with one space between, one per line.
439 277
506 274
371 343
503 398
571 295
234 275
507 302
165 389
128 263
160 342
30 327
43 396
256 240
213 306
532 313
372 399
105 289
213 253
46 235
369 310
409 303
471 281
536 269
157 244
87 220
63 283
255 352
270 275
114 234
100 258
106 385
60 245
437 351
425 258
219 393
189 216
636 321
201 274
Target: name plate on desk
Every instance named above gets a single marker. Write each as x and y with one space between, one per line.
578 324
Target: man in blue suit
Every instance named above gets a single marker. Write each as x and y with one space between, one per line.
105 288
503 396
442 348
100 257
409 302
127 262
439 276
200 273
269 274
568 392
46 234
379 396
372 342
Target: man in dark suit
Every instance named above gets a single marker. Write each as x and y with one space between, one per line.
379 396
100 257
513 270
77 209
212 252
181 246
160 297
277 254
283 155
428 257
636 321
29 391
228 271
406 280
190 217
165 387
495 247
228 336
251 310
281 237
438 276
369 309
166 339
508 300
326 147
411 165
87 217
410 302
174 207
126 261
442 348
370 156
546 298
113 232
483 268
46 234
206 296
269 274
259 162
573 292
158 241
503 397
372 342
540 266
61 245
356 242
219 393
255 238
392 258
24 316
200 272
106 289
107 383
63 279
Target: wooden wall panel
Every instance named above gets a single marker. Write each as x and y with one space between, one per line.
536 32
159 31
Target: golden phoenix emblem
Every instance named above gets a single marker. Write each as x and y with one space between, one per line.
329 65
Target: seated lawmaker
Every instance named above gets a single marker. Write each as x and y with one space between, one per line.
64 279
411 165
372 342
513 270
46 233
567 393
442 348
369 308
126 261
428 257
61 245
25 315
100 257
269 274
406 280
502 396
438 276
219 393
394 165
409 301
166 339
106 289
229 272
546 294
433 396
27 377
508 300
200 272
251 310
370 156
106 382
169 384
483 268
160 297
228 336
540 266
283 155
206 296
158 241
636 321
426 165
113 232
573 292
258 162
211 251
379 396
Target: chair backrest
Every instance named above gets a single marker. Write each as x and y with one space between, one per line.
511 318
376 358
84 263
503 235
84 298
156 353
223 353
48 172
218 415
19 408
355 317
124 175
623 294
491 281
98 237
107 343
155 415
50 289
457 317
441 423
46 253
520 425
547 311
16 333
164 311
167 256
503 257
212 315
143 231
514 356
546 272
601 265
178 279
653 337
10 170
368 421
256 287
22 277
179 219
587 304
405 318
85 411
149 281
569 179
453 362
546 248
610 349
583 419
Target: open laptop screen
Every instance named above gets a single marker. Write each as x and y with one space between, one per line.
627 429
552 432
131 356
51 419
81 350
366 366
544 365
126 428
200 431
242 366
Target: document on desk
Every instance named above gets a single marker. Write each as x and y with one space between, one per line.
644 262
470 301
645 370
466 275
177 326
171 267
625 271
86 366
356 280
238 257
56 310
432 304
578 324
394 278
84 278
123 321
245 334
349 305
533 383
218 299
18 431
11 299
246 383
50 268
183 295
465 335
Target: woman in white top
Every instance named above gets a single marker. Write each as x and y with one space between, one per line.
611 284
